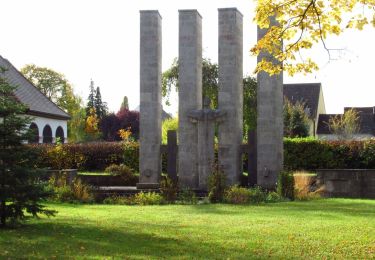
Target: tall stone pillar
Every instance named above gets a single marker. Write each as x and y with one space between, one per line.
269 122
190 95
231 92
150 99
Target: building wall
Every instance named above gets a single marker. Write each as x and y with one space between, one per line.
321 110
41 122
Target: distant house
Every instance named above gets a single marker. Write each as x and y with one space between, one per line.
366 124
311 94
49 121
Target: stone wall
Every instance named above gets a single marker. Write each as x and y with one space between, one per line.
348 183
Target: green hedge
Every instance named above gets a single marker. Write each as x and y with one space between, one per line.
311 154
88 156
299 154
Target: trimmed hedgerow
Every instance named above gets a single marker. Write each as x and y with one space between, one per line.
88 156
311 154
299 154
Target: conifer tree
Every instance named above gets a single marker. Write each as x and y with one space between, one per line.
20 190
125 103
91 98
100 106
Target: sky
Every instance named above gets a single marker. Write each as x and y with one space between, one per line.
99 40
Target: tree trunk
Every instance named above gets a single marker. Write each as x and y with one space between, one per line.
2 214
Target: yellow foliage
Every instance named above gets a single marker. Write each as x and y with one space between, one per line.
302 23
92 122
125 134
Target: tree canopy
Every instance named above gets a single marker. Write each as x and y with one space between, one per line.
210 85
59 90
345 126
298 25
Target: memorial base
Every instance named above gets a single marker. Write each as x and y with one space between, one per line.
148 186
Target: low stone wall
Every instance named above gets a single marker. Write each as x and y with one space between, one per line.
107 180
348 183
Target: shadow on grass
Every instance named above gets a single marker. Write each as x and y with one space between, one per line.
67 241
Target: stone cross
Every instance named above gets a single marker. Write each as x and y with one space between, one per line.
205 119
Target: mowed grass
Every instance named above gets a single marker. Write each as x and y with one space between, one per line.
320 229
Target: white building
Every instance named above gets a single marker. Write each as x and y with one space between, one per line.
49 121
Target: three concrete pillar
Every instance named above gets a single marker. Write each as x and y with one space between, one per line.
230 100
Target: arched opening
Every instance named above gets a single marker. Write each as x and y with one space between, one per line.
34 135
60 134
47 135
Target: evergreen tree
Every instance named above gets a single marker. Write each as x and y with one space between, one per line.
20 191
125 103
100 106
296 122
91 98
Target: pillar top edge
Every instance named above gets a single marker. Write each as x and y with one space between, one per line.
190 11
230 9
150 12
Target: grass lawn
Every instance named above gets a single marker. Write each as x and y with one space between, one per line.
334 228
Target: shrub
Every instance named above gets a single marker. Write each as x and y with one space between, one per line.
63 194
168 124
216 185
119 200
257 195
285 185
76 192
187 196
274 197
120 170
81 191
237 195
168 189
303 183
148 198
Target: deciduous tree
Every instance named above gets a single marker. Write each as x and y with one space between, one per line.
345 126
56 87
298 25
210 84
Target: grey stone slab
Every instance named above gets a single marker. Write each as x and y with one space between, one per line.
269 123
205 119
150 98
190 95
231 92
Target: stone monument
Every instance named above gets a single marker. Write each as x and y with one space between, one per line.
196 124
269 122
231 92
205 119
150 99
190 95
